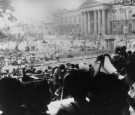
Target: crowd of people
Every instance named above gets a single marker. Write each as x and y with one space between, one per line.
105 88
48 49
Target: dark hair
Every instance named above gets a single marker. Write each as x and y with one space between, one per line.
49 67
129 52
72 66
118 50
28 71
39 71
77 83
90 65
46 70
10 93
123 49
62 66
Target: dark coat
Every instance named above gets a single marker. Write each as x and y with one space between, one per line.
109 94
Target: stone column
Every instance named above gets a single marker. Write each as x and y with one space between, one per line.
103 21
108 21
89 23
95 22
82 23
99 21
86 23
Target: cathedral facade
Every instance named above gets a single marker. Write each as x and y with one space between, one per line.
94 18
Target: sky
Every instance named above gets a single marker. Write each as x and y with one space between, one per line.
41 9
26 11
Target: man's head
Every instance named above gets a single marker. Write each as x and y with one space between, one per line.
118 50
77 83
62 66
10 93
123 49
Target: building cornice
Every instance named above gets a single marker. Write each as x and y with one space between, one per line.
60 12
97 4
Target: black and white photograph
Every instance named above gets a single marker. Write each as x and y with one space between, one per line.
67 57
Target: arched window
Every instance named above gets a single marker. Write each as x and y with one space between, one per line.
130 29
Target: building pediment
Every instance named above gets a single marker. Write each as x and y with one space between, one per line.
89 3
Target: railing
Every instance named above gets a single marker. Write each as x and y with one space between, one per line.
125 2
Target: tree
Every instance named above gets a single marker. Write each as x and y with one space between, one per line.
18 41
2 35
12 18
6 5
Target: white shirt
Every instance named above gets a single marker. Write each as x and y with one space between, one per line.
19 61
